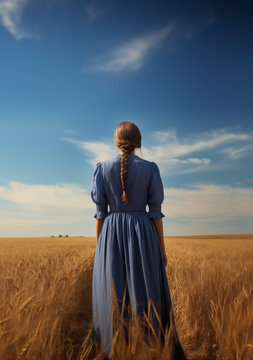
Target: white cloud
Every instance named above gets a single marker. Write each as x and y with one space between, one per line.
208 209
237 152
175 155
165 136
132 54
11 12
198 142
99 151
38 210
171 150
208 202
44 198
42 210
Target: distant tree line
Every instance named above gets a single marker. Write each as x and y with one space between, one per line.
60 236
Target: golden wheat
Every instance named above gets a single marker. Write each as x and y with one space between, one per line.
46 301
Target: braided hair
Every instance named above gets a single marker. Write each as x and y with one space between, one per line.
127 137
123 171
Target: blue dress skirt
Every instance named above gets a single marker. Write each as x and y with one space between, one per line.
128 254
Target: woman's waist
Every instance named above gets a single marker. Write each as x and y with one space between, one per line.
126 210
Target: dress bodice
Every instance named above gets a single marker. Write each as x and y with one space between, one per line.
144 186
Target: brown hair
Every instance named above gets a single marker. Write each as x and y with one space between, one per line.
127 137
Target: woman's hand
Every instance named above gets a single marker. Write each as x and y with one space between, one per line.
99 223
164 257
159 229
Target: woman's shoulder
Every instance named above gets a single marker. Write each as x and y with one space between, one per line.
148 163
132 158
143 161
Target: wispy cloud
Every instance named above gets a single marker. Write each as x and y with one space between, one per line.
69 132
95 10
198 142
98 151
196 152
11 12
132 54
237 152
172 151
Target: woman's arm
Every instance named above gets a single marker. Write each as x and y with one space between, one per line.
159 228
99 223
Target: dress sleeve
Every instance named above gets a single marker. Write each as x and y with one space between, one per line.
155 193
98 194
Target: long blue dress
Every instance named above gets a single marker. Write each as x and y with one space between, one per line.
128 247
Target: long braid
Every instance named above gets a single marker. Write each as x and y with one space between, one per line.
127 137
123 172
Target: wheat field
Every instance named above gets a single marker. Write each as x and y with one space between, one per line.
46 303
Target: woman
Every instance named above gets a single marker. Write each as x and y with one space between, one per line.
130 252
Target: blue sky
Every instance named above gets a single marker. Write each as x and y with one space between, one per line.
71 71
